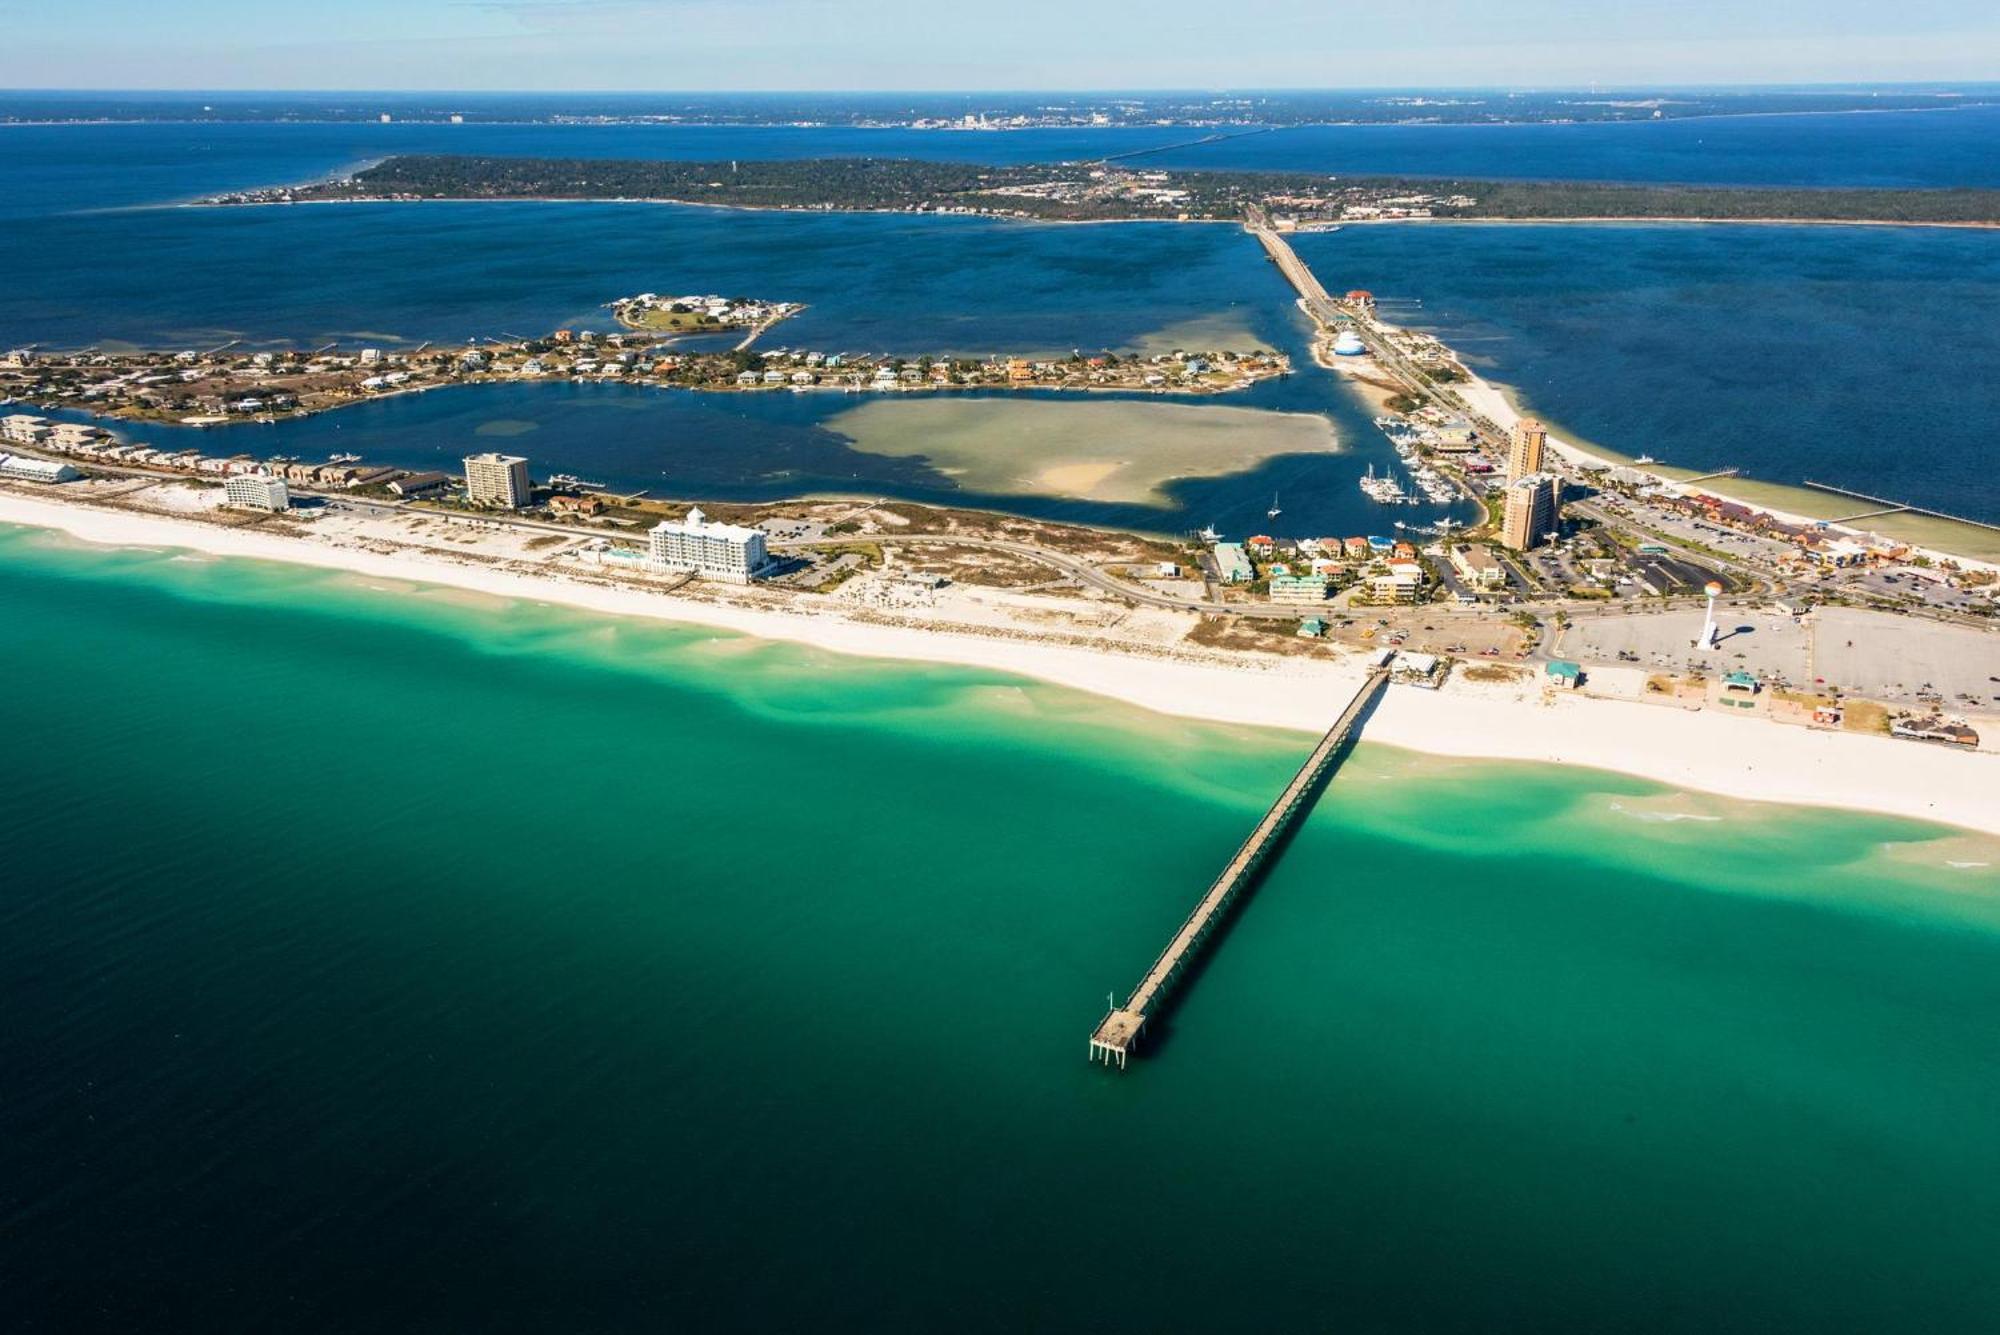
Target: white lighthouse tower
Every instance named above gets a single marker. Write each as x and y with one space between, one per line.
1710 632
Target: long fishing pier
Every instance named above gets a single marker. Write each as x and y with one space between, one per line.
1889 507
1119 1032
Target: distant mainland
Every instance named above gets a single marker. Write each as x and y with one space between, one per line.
1105 191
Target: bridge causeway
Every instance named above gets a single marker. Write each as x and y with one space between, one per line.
1118 1034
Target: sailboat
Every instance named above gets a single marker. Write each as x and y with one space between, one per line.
1209 534
1274 511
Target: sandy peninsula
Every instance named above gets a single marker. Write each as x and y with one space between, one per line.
1515 721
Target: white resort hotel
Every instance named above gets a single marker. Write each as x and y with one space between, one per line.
714 551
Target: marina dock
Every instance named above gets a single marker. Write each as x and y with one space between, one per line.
1118 1034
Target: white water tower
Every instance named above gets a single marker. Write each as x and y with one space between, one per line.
1709 630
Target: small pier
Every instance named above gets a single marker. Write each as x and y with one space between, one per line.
1118 1034
1889 507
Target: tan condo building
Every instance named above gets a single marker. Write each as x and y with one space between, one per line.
1534 505
1524 451
499 480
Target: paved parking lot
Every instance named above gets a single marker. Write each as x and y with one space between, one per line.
1875 654
1764 641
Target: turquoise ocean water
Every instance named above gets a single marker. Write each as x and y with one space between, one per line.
374 958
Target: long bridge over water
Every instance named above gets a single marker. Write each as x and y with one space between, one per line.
1118 1034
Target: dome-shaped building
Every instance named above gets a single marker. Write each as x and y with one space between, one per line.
1349 344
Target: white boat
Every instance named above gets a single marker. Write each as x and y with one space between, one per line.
1274 511
1645 459
1208 534
1384 490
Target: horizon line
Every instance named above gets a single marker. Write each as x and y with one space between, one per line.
1216 90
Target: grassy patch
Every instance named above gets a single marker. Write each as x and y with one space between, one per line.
1864 716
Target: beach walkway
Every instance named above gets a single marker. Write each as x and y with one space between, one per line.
1118 1033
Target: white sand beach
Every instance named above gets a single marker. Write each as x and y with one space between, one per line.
1707 751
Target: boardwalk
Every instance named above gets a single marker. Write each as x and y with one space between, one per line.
1119 1033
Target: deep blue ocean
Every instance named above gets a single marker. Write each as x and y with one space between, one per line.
1857 356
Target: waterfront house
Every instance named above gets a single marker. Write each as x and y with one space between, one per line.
576 506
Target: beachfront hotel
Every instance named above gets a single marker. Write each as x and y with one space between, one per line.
498 480
256 491
726 552
1533 511
1524 449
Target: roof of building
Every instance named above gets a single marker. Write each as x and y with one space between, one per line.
1564 669
698 523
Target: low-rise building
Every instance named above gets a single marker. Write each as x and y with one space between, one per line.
1298 589
1478 567
1565 674
256 491
70 435
420 484
1935 729
21 468
1395 585
1232 563
1425 671
24 429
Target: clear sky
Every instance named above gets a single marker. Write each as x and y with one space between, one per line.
663 45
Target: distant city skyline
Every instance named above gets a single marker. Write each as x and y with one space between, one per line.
908 45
